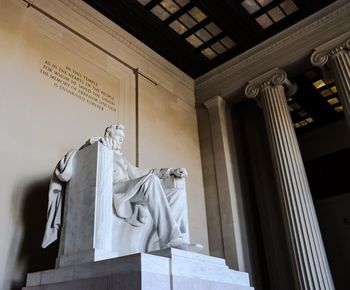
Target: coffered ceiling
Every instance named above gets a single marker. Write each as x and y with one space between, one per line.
198 35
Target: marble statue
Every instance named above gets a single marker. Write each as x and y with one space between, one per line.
136 193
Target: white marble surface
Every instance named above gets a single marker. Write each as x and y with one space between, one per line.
193 265
88 213
113 208
162 270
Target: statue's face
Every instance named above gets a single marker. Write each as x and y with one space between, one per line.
118 139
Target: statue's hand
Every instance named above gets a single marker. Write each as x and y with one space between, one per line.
180 172
108 142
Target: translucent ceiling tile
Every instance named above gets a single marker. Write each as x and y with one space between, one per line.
310 74
319 84
303 123
295 106
310 120
276 14
328 81
144 2
194 40
251 6
170 6
333 101
209 53
334 89
213 29
289 6
178 27
339 108
228 42
182 3
218 47
197 14
264 2
204 34
326 93
264 21
302 113
160 12
187 20
297 125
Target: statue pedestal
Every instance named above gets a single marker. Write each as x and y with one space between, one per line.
168 269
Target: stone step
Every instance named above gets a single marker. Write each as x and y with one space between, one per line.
169 269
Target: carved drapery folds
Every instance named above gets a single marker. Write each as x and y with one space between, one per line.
311 270
334 60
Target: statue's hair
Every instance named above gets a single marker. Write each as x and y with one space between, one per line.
112 129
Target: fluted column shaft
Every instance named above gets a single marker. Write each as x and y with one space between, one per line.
311 270
334 59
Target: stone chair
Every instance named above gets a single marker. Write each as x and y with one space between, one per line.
91 231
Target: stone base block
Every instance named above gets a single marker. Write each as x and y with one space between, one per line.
169 269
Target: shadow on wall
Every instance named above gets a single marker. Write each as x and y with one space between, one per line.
31 257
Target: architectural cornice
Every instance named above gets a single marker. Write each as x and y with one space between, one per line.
286 49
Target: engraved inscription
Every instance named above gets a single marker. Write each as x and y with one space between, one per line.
78 85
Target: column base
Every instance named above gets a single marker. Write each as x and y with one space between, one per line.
169 269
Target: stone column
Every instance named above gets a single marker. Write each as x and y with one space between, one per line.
228 186
310 265
334 59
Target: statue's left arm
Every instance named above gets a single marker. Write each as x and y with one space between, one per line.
135 172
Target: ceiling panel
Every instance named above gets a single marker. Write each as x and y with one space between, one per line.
198 35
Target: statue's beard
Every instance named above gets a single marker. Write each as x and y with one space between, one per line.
116 146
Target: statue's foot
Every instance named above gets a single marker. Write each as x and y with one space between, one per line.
183 245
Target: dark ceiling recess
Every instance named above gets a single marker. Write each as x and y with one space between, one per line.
316 102
199 35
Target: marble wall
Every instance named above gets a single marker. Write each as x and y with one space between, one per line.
57 90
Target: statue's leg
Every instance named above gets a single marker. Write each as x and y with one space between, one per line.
158 206
178 204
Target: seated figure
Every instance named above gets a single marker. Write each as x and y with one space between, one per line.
136 193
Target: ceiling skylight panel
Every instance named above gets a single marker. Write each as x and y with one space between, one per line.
289 7
251 6
203 34
178 27
160 12
218 47
194 40
264 2
187 20
170 6
213 29
209 53
197 14
276 14
182 3
264 21
228 42
144 2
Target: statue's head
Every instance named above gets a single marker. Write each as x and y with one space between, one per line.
116 133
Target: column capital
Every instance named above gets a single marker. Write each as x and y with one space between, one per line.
321 54
274 77
214 102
